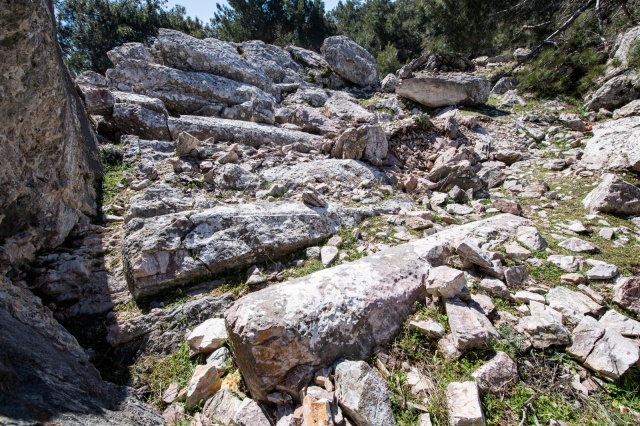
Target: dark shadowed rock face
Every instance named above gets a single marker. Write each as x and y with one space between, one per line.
48 161
48 164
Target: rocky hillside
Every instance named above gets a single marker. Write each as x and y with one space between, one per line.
284 239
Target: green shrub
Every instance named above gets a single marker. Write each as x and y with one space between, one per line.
388 60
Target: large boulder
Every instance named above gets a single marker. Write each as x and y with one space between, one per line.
212 56
50 162
166 251
616 92
273 60
620 60
242 132
197 93
613 195
341 312
367 142
615 145
439 90
351 61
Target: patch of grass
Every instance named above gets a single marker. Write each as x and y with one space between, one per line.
156 373
108 189
309 267
548 274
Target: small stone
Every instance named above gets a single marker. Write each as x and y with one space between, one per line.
495 287
312 253
527 296
516 276
174 414
572 305
601 270
445 281
626 293
280 398
313 199
507 206
531 238
186 144
207 337
204 383
572 278
328 254
482 304
469 327
222 408
249 413
459 209
577 227
579 246
470 251
220 359
592 294
498 375
606 233
515 251
624 325
463 400
430 328
334 241
567 263
171 393
584 338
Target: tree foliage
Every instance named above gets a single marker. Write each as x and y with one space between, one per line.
281 22
88 29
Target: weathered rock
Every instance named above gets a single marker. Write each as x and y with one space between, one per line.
170 250
516 276
615 92
624 325
249 413
348 172
498 375
351 61
443 281
328 254
615 145
584 338
222 408
313 199
313 121
242 132
469 327
528 296
50 159
212 56
207 337
469 250
507 206
232 176
137 120
273 60
439 90
567 263
626 293
601 270
612 355
579 246
204 383
343 311
504 85
430 328
344 107
194 92
531 238
495 287
572 305
389 83
544 327
613 195
127 51
465 408
363 394
629 110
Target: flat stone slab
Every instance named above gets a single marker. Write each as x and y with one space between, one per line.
615 145
165 251
464 404
340 312
469 327
579 246
612 355
572 305
624 325
438 90
242 132
327 171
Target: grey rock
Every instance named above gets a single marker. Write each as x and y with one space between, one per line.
314 96
528 296
626 293
272 60
221 359
222 408
469 328
504 85
430 328
351 61
498 375
443 281
615 92
613 195
243 132
307 58
516 276
465 408
601 270
128 51
612 355
328 254
362 394
567 263
439 90
313 199
572 305
367 142
165 251
579 246
212 56
344 311
495 287
139 121
615 145
204 383
629 110
507 156
584 338
232 176
344 107
624 325
544 327
313 121
249 413
97 100
194 92
207 337
389 83
469 250
329 171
